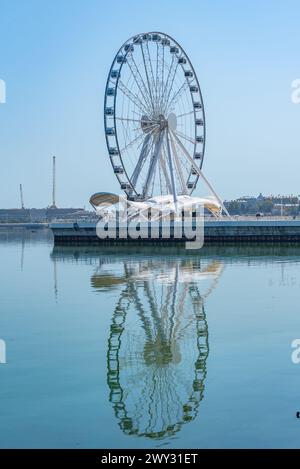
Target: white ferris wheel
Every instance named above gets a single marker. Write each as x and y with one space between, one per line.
154 120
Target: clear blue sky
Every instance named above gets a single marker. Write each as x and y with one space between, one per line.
55 56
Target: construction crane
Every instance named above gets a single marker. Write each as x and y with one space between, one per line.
21 197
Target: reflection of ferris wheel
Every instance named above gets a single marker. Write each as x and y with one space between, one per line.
154 118
158 343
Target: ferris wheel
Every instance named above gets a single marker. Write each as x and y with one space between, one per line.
154 118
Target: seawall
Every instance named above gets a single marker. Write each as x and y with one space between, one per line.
215 232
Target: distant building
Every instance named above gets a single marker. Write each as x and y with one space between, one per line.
268 205
43 215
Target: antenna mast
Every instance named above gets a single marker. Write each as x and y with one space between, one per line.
53 183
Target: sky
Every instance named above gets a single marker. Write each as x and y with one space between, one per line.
55 57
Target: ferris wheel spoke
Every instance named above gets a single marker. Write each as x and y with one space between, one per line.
170 87
150 127
185 114
170 83
138 79
146 60
161 88
151 74
176 96
185 137
125 130
128 120
132 142
135 99
157 73
133 130
166 87
140 114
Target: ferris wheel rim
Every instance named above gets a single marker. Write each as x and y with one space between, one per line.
130 187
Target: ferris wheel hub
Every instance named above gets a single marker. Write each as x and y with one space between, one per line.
162 122
158 123
147 124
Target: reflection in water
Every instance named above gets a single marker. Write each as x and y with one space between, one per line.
22 253
158 342
55 280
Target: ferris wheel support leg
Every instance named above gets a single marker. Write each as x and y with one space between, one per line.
199 172
171 167
178 167
212 190
140 162
153 162
163 166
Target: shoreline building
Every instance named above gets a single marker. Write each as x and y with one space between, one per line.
282 205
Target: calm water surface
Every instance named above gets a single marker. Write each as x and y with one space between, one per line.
147 348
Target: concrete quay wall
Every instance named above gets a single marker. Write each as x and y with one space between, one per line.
221 231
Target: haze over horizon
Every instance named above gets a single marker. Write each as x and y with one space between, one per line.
55 57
